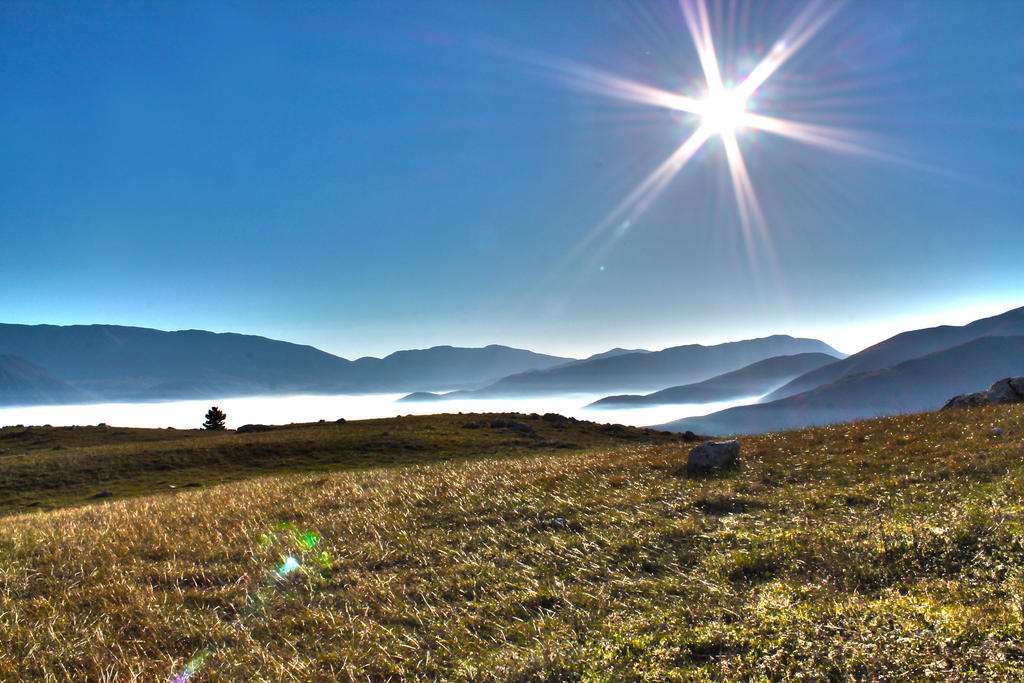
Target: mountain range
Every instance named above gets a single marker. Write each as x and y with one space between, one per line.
904 346
650 371
921 375
752 380
81 363
913 371
111 362
637 370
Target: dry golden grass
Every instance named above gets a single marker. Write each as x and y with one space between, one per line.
48 467
882 550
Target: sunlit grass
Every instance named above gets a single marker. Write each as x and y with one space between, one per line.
882 550
47 467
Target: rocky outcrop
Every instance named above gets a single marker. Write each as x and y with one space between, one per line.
1007 390
713 455
244 429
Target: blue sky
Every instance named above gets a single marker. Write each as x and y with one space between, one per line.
370 176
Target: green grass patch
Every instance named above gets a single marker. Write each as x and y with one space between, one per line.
49 467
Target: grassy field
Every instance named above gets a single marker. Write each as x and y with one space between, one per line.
48 467
882 550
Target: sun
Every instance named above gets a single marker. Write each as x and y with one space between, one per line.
723 111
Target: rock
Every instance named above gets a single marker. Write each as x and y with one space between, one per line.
560 522
498 424
690 437
473 425
995 432
102 494
554 417
520 427
977 398
713 455
1006 390
340 421
253 428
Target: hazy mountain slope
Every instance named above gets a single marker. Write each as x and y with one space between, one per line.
22 382
903 347
428 397
611 353
915 385
446 367
131 363
751 380
644 372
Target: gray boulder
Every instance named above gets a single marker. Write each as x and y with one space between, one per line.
977 398
254 428
713 455
1007 390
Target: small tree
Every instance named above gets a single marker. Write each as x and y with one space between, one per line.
214 418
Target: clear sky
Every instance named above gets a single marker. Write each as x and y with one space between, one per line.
369 176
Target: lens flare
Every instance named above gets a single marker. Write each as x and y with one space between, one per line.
290 565
192 668
303 545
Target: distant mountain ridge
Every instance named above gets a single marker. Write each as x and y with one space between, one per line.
112 362
611 353
30 384
904 346
914 385
650 371
751 380
448 367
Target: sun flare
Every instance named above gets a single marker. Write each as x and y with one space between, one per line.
723 111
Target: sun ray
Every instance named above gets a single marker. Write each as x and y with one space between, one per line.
722 110
749 207
807 24
609 85
751 216
632 206
643 194
695 12
824 137
601 82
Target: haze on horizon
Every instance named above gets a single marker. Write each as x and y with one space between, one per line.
366 178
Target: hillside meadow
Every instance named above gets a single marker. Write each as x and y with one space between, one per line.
47 467
879 550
